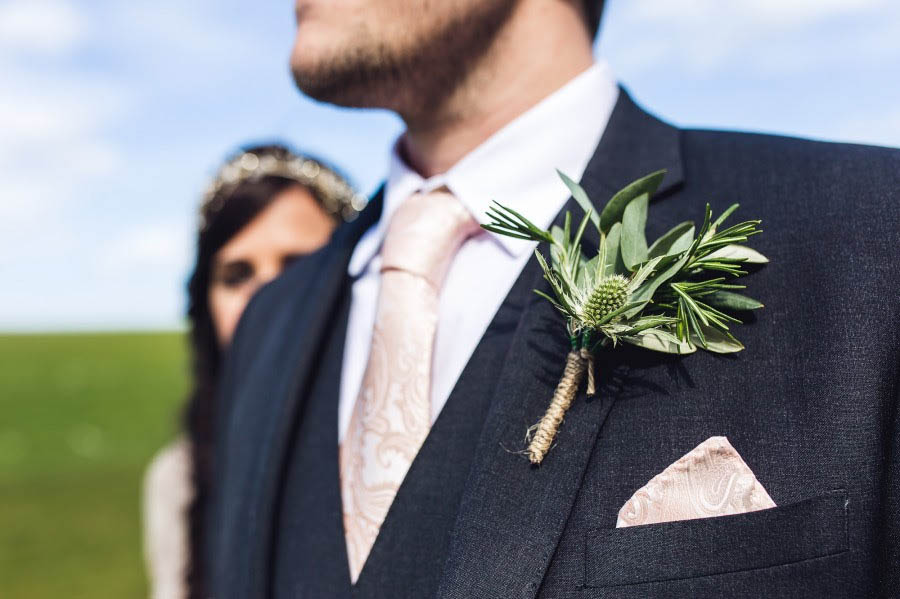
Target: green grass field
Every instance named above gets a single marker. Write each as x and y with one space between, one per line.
80 417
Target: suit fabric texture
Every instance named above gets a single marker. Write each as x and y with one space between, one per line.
810 404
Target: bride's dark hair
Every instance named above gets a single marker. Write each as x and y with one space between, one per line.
226 210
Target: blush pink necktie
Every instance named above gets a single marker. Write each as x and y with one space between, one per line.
392 414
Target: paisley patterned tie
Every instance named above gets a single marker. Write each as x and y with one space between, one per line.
392 414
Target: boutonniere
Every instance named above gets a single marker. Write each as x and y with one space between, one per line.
672 296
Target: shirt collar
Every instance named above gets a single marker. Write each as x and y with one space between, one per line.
516 165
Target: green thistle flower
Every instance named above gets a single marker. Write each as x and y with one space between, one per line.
609 294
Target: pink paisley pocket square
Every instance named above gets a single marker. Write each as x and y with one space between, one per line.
711 480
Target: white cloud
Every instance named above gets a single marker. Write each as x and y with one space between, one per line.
45 109
56 142
88 212
41 26
56 124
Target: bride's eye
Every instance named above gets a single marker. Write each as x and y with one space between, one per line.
233 274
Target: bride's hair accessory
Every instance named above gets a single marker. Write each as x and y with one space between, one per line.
333 191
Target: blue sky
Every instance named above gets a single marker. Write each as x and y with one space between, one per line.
114 114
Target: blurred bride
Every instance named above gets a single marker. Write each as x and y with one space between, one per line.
265 208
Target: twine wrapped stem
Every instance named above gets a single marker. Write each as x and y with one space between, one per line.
578 362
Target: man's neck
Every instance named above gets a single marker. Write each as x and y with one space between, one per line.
544 46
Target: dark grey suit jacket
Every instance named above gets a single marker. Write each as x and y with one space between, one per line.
811 404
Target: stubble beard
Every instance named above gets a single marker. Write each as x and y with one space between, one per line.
412 74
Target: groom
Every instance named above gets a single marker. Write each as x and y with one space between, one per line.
378 392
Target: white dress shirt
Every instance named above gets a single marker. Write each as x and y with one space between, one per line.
516 167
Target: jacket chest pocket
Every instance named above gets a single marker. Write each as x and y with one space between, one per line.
671 551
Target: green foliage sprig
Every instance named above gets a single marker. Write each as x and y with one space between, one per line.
670 296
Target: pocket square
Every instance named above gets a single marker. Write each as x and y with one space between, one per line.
711 480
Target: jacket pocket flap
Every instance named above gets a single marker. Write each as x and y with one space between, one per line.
807 529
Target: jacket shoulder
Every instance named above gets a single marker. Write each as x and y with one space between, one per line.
833 178
783 154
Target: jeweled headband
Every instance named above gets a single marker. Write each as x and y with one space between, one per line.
330 189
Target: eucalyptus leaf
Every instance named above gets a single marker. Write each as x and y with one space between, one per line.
615 208
738 252
675 241
613 263
660 341
728 300
580 196
634 221
718 341
663 333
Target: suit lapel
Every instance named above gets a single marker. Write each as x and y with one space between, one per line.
512 514
266 406
634 144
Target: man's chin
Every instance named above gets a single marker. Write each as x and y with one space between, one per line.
312 71
339 77
326 85
319 83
